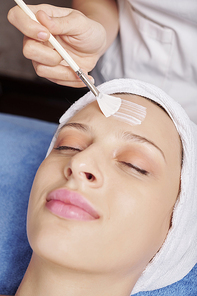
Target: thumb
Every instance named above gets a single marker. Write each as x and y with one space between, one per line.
73 22
55 25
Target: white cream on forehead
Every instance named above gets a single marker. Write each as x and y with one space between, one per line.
130 113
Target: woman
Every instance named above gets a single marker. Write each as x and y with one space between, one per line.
112 205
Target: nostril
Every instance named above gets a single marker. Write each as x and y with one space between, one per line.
69 172
90 177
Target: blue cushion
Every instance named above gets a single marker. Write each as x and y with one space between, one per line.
23 146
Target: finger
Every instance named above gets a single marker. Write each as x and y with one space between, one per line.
26 25
73 84
60 74
41 53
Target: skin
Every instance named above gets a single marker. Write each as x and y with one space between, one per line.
85 32
133 186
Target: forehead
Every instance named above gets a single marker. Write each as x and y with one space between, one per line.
155 114
157 125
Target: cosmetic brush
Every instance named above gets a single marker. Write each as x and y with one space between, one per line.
108 104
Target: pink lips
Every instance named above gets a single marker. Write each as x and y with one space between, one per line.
70 205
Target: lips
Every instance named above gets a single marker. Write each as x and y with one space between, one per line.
70 205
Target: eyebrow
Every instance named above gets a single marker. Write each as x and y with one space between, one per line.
79 126
127 136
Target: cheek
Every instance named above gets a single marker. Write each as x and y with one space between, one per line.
50 172
134 232
140 218
48 177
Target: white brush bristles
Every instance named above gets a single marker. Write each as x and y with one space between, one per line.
130 113
108 104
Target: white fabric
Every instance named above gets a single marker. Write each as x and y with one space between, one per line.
178 254
157 43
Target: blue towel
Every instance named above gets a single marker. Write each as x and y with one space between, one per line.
23 146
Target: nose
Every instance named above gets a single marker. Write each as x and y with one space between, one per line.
84 169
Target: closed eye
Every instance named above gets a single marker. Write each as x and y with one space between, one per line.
59 148
139 170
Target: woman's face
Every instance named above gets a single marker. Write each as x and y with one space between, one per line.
102 200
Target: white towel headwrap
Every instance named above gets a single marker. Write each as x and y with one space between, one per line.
178 254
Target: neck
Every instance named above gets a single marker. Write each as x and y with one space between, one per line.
44 278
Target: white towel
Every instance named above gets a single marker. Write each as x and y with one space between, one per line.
178 254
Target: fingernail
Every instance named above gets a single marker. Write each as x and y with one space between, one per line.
42 35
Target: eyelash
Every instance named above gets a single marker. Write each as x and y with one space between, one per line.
59 148
130 165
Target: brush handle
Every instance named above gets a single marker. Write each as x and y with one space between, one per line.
88 82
